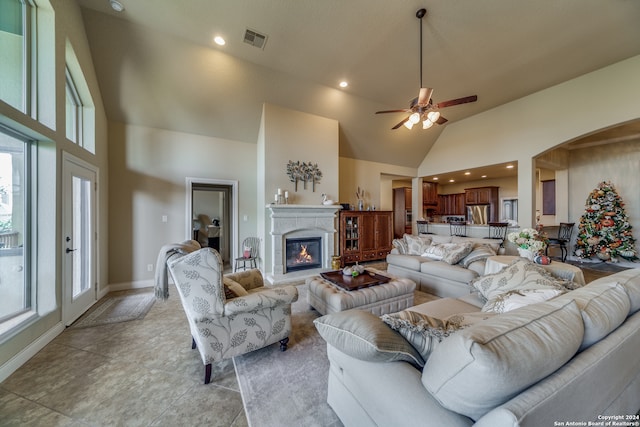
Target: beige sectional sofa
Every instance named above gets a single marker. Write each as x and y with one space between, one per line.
572 358
441 277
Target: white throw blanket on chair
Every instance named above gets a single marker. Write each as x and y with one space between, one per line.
166 252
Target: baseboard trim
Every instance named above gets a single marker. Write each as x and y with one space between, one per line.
130 285
29 351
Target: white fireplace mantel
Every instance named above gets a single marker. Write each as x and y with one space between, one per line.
288 221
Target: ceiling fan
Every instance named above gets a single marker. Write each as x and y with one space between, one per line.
422 107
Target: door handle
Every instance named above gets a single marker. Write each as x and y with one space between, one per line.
69 250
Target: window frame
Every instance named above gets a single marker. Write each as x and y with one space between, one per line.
71 91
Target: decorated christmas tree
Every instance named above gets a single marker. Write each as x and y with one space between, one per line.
604 230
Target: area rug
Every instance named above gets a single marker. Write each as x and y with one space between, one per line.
288 388
117 307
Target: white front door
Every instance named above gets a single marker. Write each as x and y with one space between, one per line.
79 237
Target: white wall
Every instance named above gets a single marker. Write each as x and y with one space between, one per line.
531 125
148 168
288 135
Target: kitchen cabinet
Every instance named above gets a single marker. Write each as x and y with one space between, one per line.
429 193
484 196
451 204
365 235
401 211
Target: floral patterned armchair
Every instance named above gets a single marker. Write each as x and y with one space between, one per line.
231 315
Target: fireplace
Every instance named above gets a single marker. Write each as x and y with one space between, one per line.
303 253
306 222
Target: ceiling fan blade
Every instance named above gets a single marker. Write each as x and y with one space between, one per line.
424 96
400 124
393 111
441 120
466 99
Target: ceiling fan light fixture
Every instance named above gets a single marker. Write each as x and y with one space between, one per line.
433 116
408 124
426 124
414 118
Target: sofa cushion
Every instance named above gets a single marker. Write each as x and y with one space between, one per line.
479 241
450 253
438 238
519 298
447 271
630 280
603 306
520 274
478 252
417 244
425 332
411 262
364 336
485 365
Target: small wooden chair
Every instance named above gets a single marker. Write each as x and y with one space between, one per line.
253 245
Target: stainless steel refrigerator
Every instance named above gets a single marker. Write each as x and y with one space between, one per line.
478 214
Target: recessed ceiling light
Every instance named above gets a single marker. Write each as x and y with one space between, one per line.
509 166
467 173
483 176
219 41
452 180
116 5
343 84
435 178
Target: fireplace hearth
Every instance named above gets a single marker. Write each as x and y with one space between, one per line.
303 253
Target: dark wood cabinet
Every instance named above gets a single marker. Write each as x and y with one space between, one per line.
365 235
451 204
401 211
430 193
484 196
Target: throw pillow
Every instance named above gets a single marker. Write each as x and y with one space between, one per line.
435 251
479 252
426 332
417 244
520 274
483 366
454 252
519 298
401 246
233 289
364 336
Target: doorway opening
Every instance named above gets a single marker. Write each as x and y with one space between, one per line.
211 215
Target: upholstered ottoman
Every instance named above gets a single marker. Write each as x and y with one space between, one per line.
390 297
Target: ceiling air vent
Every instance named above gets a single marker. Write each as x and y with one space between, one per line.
254 38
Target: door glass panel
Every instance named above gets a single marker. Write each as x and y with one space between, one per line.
81 243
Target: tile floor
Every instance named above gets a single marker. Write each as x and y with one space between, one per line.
137 373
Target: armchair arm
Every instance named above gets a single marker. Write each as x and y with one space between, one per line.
280 296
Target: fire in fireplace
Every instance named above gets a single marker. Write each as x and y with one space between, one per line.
303 253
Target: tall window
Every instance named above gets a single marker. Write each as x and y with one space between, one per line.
73 110
13 53
15 286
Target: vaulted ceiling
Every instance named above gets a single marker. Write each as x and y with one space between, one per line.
157 64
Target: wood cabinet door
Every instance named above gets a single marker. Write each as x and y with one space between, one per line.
430 193
367 232
382 231
471 196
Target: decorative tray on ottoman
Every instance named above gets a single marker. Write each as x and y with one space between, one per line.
350 283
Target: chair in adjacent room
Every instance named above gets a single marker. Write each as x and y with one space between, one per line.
458 228
250 247
230 315
423 227
562 241
498 231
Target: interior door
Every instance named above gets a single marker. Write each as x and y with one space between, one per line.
79 237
